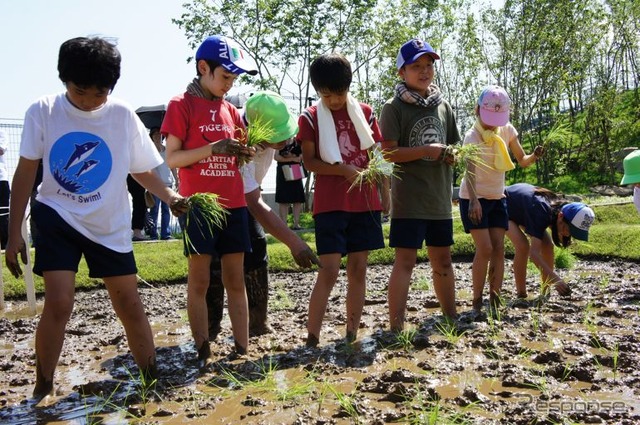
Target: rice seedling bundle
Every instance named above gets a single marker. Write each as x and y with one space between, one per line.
470 153
377 170
259 130
211 214
560 134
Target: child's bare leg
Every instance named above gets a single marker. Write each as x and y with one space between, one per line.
123 291
496 265
58 305
283 211
356 290
197 284
479 268
443 279
233 280
327 277
521 248
399 282
297 209
548 257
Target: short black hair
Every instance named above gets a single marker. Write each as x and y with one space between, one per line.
212 66
89 62
331 72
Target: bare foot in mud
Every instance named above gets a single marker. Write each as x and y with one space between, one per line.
563 289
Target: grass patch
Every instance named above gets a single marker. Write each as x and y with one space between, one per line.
615 234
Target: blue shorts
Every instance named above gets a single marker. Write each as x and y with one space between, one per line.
60 247
494 214
233 237
344 232
411 232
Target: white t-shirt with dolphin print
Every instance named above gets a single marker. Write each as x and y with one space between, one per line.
86 158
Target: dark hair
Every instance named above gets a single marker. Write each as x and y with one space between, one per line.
556 202
89 62
330 72
212 66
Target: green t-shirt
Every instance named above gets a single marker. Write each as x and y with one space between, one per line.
420 189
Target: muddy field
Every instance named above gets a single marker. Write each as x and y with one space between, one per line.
555 360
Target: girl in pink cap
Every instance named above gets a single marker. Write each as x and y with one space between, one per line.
483 207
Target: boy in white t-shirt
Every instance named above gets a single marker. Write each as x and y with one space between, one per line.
88 142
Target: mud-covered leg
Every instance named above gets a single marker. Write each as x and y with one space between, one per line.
257 283
215 299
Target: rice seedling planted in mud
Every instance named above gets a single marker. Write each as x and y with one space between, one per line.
211 213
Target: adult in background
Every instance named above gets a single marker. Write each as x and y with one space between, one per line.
531 211
138 209
289 192
270 108
168 176
4 190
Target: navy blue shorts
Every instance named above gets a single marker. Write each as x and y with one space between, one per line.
60 247
411 232
344 232
494 214
233 237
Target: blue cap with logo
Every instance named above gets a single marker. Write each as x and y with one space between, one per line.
228 53
412 50
580 218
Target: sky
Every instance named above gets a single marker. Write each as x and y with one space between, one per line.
154 50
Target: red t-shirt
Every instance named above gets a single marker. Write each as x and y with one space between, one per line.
197 122
330 192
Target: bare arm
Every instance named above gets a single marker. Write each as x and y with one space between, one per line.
317 165
537 257
150 181
274 225
393 153
523 159
21 187
178 157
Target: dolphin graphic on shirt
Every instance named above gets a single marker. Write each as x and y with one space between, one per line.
87 166
80 153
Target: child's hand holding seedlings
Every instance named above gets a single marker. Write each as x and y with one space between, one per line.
233 147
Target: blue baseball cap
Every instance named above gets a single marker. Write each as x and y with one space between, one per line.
580 218
412 50
228 53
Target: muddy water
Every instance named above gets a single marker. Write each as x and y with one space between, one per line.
556 360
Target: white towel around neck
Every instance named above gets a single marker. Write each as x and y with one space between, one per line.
328 140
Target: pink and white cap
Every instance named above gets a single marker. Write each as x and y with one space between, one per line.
494 104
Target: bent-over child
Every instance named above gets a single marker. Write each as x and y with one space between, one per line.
531 211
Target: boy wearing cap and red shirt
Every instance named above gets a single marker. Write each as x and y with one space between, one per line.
267 107
531 211
483 207
418 127
202 132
